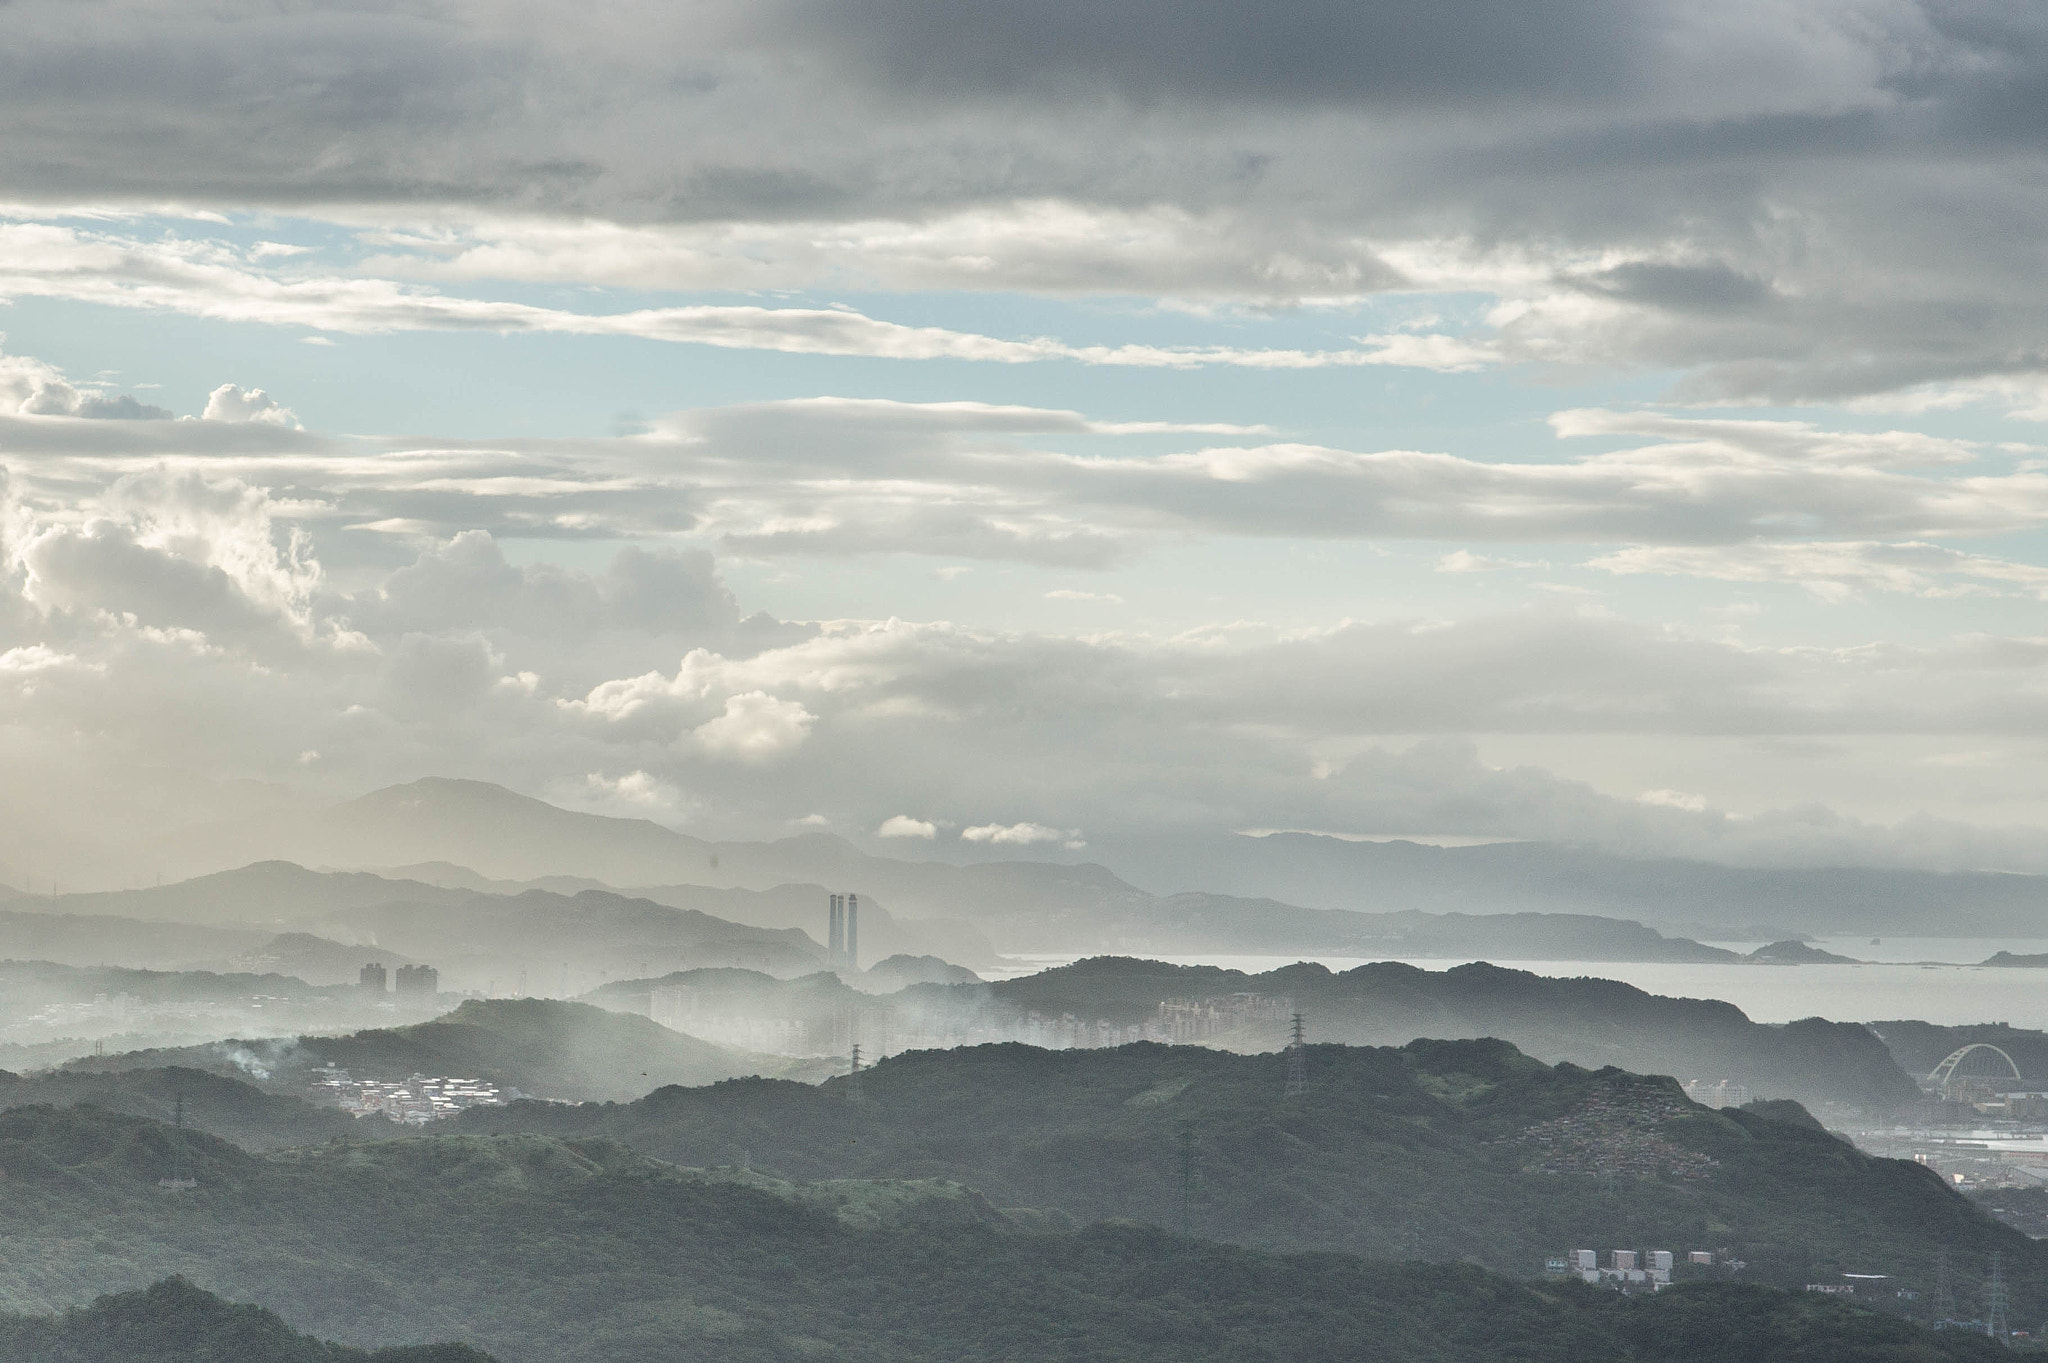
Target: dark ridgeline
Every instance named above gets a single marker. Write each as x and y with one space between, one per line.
1440 1150
174 1322
551 1251
1587 1021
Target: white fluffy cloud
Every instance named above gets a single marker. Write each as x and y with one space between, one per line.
969 480
903 826
1015 834
755 727
231 402
166 608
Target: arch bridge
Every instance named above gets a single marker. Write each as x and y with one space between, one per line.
1944 1073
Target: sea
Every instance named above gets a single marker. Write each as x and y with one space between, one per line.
1934 979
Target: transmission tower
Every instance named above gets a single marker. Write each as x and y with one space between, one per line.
1187 1177
853 1094
1995 1302
1297 1057
1944 1287
181 1178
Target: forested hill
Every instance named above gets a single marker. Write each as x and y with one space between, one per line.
175 1322
1584 1020
1435 1150
230 1108
550 1251
546 1047
1587 1021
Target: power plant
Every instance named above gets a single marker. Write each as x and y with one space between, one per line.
842 936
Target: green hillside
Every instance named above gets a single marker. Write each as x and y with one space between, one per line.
1435 1150
230 1108
175 1322
551 1251
549 1048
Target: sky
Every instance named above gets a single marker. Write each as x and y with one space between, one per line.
1009 429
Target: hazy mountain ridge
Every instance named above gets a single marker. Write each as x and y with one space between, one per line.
1701 898
547 1047
1587 1021
488 835
338 920
581 1252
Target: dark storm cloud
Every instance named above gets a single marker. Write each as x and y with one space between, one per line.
1794 201
1488 52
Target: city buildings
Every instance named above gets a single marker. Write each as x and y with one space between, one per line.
1725 1093
414 1101
1625 1267
418 981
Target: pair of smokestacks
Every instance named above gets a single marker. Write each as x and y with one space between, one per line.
844 934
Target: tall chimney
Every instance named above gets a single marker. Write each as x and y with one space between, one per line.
835 943
853 932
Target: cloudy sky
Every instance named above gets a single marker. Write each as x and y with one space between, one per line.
1027 428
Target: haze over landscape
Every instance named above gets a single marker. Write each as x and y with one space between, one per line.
905 681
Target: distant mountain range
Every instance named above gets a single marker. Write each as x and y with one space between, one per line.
496 834
466 835
1690 898
508 894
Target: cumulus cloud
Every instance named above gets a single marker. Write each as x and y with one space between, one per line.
230 402
30 387
980 481
755 727
903 826
1014 835
1465 561
179 612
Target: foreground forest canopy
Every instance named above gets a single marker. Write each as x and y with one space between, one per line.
1434 1150
551 1251
175 1322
